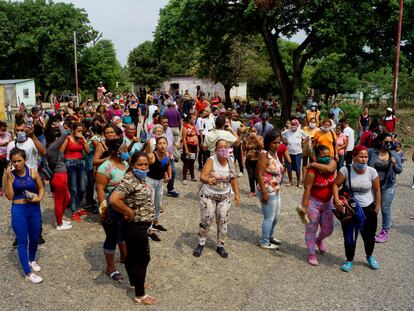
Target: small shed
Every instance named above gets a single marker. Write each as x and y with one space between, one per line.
15 92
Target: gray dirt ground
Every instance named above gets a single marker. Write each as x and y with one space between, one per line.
250 279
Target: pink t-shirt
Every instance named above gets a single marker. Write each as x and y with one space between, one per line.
340 141
5 137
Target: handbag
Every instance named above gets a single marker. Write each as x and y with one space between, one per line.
346 196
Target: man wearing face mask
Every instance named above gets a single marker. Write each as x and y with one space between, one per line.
27 141
294 137
219 133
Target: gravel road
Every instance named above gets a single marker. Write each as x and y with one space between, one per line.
250 279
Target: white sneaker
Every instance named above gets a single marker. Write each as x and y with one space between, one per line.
64 226
185 182
412 187
66 221
33 278
35 267
269 246
240 174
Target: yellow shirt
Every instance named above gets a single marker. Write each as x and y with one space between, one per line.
327 139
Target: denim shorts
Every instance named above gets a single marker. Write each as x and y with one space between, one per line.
296 162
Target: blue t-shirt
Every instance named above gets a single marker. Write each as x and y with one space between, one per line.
126 119
336 112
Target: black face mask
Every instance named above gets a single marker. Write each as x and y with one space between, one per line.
387 145
96 129
113 144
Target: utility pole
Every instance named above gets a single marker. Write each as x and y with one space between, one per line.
397 58
76 68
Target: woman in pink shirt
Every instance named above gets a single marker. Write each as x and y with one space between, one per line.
341 145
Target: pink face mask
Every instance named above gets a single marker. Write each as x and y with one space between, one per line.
223 153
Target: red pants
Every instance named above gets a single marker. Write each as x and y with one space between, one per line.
62 196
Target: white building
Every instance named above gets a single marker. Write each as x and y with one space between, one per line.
17 91
183 83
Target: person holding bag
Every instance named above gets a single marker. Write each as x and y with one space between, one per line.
363 185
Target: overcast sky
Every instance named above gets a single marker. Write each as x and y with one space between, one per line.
127 23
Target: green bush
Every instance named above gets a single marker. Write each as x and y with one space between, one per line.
351 113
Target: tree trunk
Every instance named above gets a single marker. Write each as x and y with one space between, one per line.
286 86
227 88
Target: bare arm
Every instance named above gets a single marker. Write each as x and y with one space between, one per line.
377 193
184 139
101 181
235 186
98 154
260 170
340 179
64 145
324 168
8 179
39 186
205 173
309 178
117 203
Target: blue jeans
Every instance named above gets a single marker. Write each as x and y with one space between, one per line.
157 185
26 220
387 195
90 189
170 185
77 182
271 213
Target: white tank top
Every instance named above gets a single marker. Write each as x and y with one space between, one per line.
223 174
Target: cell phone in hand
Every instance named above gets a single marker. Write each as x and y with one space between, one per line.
29 123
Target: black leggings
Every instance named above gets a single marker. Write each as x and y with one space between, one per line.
113 228
251 172
237 151
138 254
203 155
367 233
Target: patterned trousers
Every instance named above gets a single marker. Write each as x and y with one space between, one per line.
218 207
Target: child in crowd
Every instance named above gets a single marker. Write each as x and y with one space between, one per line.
126 118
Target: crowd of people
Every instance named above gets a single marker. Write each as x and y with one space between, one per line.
113 158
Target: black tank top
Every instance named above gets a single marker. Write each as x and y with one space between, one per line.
158 169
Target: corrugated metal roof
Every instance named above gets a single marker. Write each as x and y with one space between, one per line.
14 81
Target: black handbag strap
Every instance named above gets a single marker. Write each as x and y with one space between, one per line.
348 167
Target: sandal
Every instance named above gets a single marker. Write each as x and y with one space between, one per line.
145 300
116 276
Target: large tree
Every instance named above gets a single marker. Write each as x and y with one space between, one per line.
327 25
99 63
36 41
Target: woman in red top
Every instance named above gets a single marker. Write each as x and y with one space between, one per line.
317 201
73 149
190 146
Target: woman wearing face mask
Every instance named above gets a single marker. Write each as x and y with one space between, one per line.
388 164
102 153
133 197
157 131
108 176
73 148
252 145
159 171
310 131
317 202
55 136
190 146
295 138
269 177
313 113
366 190
325 136
24 188
340 145
219 178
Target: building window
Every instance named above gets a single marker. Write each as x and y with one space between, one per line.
25 93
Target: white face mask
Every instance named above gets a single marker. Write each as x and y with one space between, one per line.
325 129
312 125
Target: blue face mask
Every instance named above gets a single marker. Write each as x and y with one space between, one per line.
140 173
360 166
21 136
124 156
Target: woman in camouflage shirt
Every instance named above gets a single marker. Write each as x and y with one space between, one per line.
133 198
